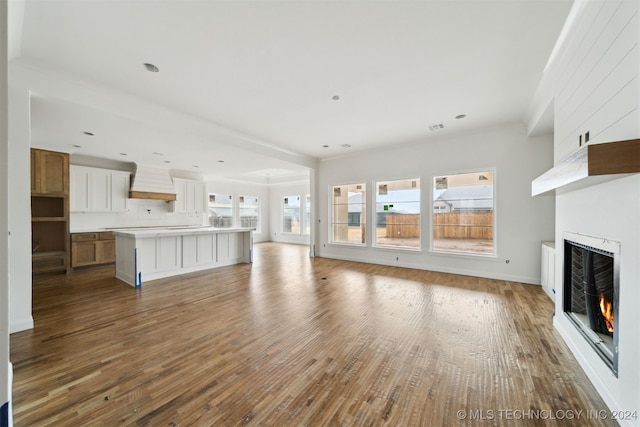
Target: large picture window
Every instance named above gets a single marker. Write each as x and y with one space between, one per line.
291 214
464 213
348 214
249 207
398 213
221 210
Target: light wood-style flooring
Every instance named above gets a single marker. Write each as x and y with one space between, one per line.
295 341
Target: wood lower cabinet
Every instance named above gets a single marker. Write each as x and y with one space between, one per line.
49 211
92 249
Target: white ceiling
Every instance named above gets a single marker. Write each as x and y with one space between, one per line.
257 78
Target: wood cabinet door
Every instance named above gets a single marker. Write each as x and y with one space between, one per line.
54 176
35 171
49 173
84 253
107 251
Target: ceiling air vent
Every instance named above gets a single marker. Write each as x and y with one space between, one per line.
436 126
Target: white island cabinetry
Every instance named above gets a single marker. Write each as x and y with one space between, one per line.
148 254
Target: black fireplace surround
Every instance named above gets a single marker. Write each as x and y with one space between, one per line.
591 292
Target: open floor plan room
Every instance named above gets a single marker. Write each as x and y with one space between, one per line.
294 340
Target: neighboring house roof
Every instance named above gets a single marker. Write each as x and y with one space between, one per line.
471 197
355 201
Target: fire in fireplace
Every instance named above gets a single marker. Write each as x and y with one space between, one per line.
591 292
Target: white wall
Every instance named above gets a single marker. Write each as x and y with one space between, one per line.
277 193
522 221
19 210
596 77
236 189
594 84
5 367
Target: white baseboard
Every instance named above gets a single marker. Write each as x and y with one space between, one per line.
21 325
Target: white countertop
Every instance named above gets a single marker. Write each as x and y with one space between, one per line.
177 230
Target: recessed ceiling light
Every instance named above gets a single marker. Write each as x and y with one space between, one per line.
461 116
77 146
335 97
151 68
220 161
123 154
167 161
88 133
196 166
325 146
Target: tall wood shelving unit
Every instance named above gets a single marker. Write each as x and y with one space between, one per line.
49 211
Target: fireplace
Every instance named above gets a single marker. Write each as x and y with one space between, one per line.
591 292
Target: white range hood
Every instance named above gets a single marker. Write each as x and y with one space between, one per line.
150 182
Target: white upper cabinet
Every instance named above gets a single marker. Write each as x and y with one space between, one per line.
189 196
120 183
98 190
79 188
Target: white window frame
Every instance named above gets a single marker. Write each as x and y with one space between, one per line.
233 207
259 216
363 218
458 253
282 216
306 220
374 215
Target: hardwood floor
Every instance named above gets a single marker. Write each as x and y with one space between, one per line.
295 341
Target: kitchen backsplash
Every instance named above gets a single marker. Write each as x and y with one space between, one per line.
139 213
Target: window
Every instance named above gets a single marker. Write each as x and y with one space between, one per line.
307 214
348 214
221 210
291 215
249 208
463 213
398 213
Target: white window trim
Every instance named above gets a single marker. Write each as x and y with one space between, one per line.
239 220
304 221
234 207
330 216
465 254
374 216
289 233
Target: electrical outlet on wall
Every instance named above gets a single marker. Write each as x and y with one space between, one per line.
148 213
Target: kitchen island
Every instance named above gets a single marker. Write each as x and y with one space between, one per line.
152 253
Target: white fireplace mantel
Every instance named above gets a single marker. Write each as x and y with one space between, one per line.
590 165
